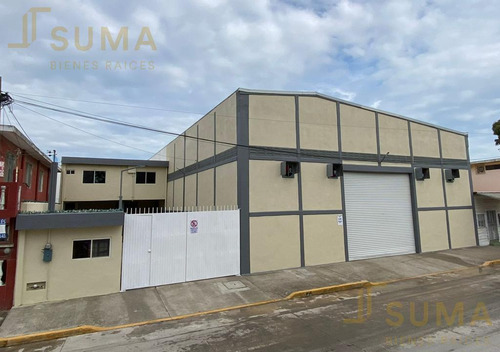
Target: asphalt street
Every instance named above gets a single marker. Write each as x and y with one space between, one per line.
459 311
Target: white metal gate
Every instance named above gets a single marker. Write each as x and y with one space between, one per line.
168 248
378 215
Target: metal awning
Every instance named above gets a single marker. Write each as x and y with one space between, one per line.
493 195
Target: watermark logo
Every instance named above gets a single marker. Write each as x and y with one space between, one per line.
26 43
85 40
396 313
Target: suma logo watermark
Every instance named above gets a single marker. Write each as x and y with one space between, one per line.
419 315
397 312
83 40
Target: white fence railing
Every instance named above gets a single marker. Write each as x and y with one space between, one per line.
187 209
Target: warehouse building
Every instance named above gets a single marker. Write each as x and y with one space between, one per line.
320 180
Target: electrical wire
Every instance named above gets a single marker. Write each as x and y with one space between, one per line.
107 103
87 132
155 130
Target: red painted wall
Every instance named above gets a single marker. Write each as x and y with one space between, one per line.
8 249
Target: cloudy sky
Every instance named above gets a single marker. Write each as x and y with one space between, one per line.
436 61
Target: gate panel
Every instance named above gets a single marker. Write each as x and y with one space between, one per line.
168 249
136 258
213 248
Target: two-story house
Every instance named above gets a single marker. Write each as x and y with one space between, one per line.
486 186
98 183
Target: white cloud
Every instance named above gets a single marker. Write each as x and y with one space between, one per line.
435 61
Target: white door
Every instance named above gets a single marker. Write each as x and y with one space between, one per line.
378 215
136 258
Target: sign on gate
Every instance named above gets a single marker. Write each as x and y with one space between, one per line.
194 226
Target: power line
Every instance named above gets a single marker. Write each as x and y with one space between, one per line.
79 129
19 123
24 95
155 130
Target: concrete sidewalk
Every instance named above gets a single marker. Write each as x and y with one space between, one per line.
191 297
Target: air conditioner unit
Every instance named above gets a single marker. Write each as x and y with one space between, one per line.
333 170
289 169
422 173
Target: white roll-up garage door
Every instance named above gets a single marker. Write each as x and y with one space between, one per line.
378 215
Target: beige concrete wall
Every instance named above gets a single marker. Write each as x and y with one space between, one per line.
191 190
272 121
170 194
358 130
226 123
318 191
178 189
462 228
453 145
323 240
73 188
191 146
425 140
226 182
66 277
206 188
34 206
430 191
318 124
458 192
274 243
206 134
268 190
393 134
177 150
433 230
169 150
161 155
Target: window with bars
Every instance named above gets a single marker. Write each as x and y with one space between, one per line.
481 220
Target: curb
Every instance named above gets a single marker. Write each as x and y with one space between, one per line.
88 329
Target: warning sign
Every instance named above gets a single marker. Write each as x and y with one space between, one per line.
194 226
340 220
3 229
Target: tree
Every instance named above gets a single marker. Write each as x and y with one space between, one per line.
496 131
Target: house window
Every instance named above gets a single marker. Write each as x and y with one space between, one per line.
40 181
28 175
94 177
10 167
91 248
493 167
481 220
145 177
70 172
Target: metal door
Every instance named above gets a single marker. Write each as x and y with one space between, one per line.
379 216
491 218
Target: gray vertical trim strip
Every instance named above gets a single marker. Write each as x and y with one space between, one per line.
197 159
471 191
414 201
410 141
184 177
416 224
443 181
299 183
173 182
377 133
215 153
243 166
342 187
